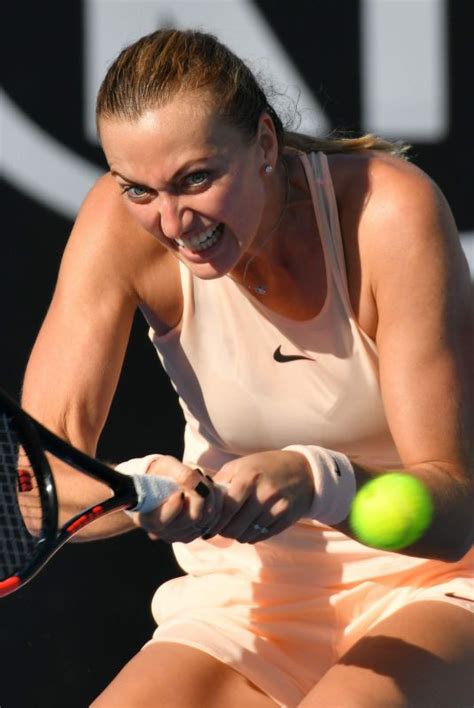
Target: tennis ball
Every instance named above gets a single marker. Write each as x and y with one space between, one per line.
391 511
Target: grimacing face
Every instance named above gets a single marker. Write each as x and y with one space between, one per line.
192 181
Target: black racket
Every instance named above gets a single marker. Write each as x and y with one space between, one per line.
29 532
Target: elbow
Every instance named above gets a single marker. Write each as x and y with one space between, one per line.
449 539
464 545
459 544
463 539
455 554
458 526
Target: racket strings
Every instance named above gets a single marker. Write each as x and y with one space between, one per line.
21 517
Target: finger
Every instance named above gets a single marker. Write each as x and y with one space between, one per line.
187 477
154 521
195 484
212 511
233 498
282 523
242 519
196 507
177 532
191 521
258 530
182 529
268 524
183 517
272 530
260 503
184 537
200 496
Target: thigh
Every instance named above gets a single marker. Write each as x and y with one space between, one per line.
169 675
422 655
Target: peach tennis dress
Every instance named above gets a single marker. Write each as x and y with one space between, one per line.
282 611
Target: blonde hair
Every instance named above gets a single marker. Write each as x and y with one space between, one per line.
153 69
307 143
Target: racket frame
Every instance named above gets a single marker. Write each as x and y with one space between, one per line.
36 441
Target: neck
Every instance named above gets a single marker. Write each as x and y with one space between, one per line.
250 280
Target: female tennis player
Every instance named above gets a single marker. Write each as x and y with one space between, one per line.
310 302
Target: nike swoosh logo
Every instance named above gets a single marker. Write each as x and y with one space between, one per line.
283 358
458 597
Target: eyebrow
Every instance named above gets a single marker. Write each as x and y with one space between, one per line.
176 175
114 173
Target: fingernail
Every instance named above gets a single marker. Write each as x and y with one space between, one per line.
202 490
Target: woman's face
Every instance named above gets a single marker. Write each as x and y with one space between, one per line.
192 181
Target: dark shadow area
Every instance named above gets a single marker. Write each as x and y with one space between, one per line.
421 676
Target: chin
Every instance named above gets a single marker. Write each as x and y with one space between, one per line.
207 271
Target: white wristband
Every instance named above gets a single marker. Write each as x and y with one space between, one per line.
151 491
334 483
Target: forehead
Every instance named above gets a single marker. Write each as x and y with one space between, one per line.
186 124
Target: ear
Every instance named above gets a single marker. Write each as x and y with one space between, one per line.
267 140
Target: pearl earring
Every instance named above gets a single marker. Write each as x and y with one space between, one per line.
268 169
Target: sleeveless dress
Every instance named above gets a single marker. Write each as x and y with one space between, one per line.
282 611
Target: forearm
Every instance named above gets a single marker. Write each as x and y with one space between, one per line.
76 492
69 390
451 531
424 510
71 414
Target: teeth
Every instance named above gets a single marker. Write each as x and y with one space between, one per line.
203 241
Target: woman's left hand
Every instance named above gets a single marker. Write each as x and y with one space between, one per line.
266 493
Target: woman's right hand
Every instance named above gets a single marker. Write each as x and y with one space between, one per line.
190 511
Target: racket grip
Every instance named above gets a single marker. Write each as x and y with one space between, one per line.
152 491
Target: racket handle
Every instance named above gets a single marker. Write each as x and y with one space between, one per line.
152 491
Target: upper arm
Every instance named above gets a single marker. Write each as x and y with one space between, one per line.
421 289
76 361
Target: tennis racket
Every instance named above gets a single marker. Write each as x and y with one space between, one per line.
29 532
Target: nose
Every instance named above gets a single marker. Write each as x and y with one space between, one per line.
175 217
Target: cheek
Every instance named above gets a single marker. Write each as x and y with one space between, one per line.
143 216
240 205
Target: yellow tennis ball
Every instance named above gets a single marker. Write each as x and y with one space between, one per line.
391 511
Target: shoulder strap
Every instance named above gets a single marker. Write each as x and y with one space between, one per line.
325 205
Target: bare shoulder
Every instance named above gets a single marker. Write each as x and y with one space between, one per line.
391 206
395 222
106 235
107 246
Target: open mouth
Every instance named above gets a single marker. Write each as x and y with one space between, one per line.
203 241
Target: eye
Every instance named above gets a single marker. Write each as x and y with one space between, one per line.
134 192
197 179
